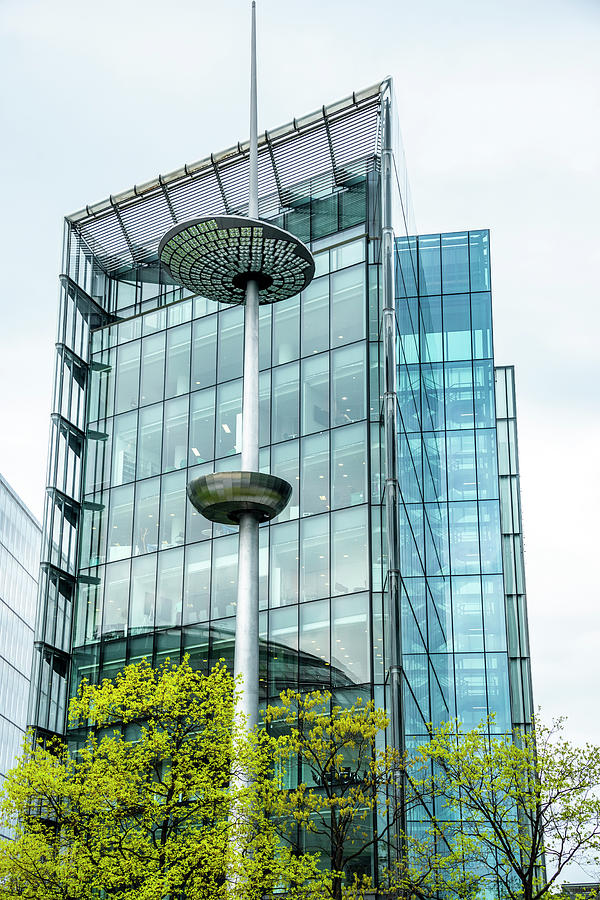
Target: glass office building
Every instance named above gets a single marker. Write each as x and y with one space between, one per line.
395 572
20 535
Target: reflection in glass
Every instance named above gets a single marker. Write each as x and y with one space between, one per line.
204 352
314 644
286 337
128 375
350 641
350 553
153 369
229 419
196 594
124 448
231 343
314 481
285 402
169 590
315 317
172 510
145 529
314 558
149 440
347 306
178 361
284 464
224 576
202 427
283 649
284 564
175 434
315 394
116 596
120 523
143 592
348 402
348 466
467 613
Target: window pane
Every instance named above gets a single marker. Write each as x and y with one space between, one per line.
348 466
120 523
489 527
202 427
143 592
350 641
347 306
283 649
348 254
285 400
178 361
483 377
315 394
350 553
314 496
284 564
175 434
467 613
196 594
264 335
168 597
195 644
461 466
284 464
498 692
224 576
430 278
286 332
315 317
455 263
145 531
124 448
457 327
149 440
231 343
204 352
431 328
471 700
348 403
197 527
481 315
487 463
229 418
264 408
172 510
493 612
314 644
128 377
116 595
464 538
459 395
314 558
479 260
153 368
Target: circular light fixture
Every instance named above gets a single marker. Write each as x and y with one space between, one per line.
218 255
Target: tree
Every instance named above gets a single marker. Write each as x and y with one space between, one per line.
144 809
344 798
513 811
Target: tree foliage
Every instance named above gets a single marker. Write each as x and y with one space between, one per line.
510 812
144 809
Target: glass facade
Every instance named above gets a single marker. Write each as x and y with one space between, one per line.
19 562
148 394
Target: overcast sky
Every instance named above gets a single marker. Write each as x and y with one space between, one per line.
500 114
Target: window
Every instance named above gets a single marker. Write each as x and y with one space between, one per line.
315 394
168 594
348 466
178 361
347 306
348 402
314 480
143 593
350 554
285 400
202 427
204 352
153 369
314 558
145 527
284 564
149 440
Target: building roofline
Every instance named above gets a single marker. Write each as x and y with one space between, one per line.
20 502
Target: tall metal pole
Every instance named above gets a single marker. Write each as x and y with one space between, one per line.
246 627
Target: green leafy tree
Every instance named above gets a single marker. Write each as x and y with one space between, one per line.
145 809
511 812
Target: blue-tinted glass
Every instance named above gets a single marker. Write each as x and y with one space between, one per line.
493 612
434 465
498 692
459 395
409 396
481 317
467 618
204 352
479 254
457 327
487 464
436 539
407 311
471 697
462 481
432 400
455 263
483 376
350 554
431 329
430 277
406 267
464 538
230 353
489 526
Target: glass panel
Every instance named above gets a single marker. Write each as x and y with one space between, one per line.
457 327
149 440
481 315
264 408
286 331
471 700
128 377
143 593
124 448
350 553
350 640
195 644
204 352
455 263
348 466
153 369
315 317
464 538
224 576
483 377
314 497
487 464
467 613
178 361
120 523
284 564
431 328
285 399
116 595
169 592
498 692
315 394
231 343
348 306
196 596
348 401
314 644
348 254
202 427
480 260
314 558
283 649
145 531
462 482
284 464
493 612
229 418
430 275
172 510
175 434
489 527
264 335
459 395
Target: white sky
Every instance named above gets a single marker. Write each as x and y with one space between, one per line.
499 105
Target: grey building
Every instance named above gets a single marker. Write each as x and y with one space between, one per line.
20 536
